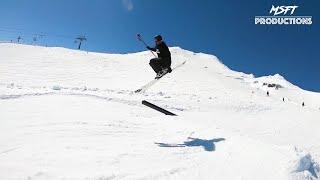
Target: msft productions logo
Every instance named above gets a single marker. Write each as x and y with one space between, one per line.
283 15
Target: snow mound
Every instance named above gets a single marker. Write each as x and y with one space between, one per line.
57 88
271 82
304 166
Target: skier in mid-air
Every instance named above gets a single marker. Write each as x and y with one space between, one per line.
162 64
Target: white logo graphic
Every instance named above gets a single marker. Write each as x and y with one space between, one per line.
283 15
282 9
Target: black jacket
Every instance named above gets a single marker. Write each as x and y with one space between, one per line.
162 50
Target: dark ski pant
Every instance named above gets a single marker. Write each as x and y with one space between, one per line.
158 64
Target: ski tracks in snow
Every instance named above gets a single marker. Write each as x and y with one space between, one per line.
8 150
13 91
171 101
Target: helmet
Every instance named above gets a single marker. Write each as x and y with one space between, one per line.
158 37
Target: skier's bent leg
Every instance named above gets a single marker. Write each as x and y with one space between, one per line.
154 63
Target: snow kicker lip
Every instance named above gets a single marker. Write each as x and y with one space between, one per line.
16 96
79 91
119 100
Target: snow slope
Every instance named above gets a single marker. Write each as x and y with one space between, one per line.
68 114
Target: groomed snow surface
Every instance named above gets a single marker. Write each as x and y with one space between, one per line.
67 114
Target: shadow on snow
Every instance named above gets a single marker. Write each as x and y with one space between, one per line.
208 145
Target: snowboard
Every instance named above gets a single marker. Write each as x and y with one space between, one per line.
151 83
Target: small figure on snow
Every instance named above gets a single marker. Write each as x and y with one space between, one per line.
302 104
268 93
162 64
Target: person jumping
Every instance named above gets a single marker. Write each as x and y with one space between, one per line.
162 64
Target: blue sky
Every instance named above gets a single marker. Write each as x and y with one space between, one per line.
223 28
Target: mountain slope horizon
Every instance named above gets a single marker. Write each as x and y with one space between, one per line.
69 114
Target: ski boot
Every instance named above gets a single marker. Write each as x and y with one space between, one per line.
161 73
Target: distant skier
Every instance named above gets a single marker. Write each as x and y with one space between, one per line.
162 64
268 93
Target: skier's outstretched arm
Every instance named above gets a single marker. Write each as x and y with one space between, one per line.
151 49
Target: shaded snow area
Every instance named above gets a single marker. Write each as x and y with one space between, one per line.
68 114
